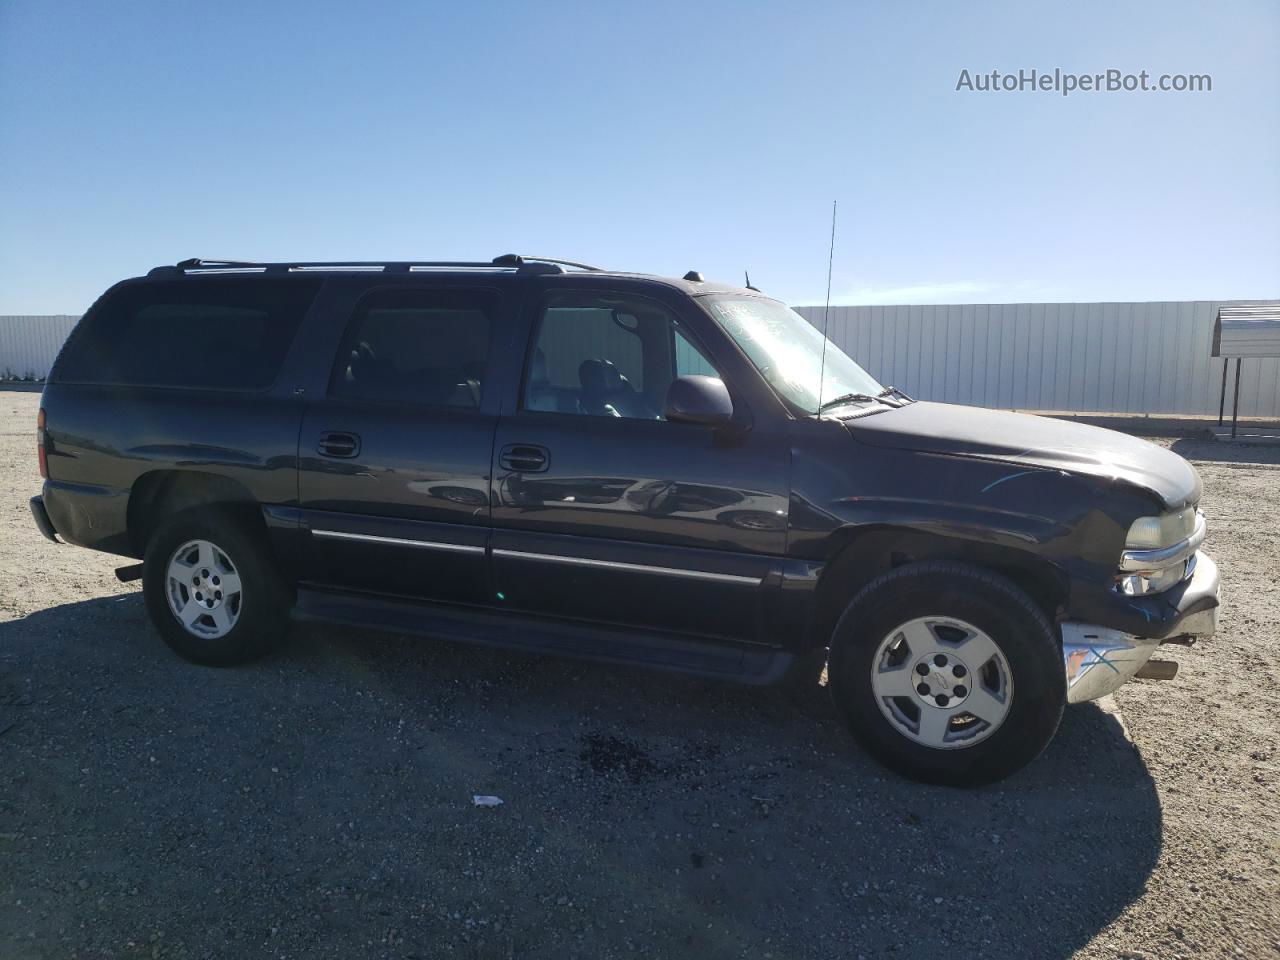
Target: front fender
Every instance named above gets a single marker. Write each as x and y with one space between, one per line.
871 507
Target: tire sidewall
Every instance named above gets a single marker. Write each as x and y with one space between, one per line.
263 601
986 601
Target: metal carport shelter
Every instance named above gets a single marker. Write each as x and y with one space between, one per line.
1244 330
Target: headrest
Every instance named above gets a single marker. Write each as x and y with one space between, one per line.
599 377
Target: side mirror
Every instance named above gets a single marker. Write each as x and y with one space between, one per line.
702 400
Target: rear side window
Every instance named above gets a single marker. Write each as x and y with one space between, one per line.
427 347
199 332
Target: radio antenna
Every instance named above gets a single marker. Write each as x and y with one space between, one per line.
822 368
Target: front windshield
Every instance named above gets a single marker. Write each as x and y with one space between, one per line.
787 350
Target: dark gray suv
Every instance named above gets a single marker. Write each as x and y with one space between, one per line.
634 469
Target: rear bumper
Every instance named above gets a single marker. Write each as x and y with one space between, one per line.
1098 659
43 523
86 515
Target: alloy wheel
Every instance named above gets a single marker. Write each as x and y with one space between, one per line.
942 682
203 588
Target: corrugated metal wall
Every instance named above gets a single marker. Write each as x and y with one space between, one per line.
29 344
1087 357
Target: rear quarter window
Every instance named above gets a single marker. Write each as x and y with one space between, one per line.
218 333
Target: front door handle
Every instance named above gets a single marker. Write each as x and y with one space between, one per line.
338 443
524 458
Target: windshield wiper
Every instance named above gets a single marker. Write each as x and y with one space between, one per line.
894 392
848 398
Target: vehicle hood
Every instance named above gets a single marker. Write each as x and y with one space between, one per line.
1023 439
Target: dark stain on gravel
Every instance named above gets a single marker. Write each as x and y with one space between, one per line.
620 757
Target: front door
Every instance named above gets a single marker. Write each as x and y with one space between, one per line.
604 510
394 460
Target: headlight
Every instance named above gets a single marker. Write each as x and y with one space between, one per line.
1159 552
1156 533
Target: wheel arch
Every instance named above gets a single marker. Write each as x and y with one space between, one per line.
860 554
160 494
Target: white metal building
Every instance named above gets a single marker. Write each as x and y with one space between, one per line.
29 344
1139 358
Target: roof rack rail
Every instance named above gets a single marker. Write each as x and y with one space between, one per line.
519 259
213 262
209 265
511 261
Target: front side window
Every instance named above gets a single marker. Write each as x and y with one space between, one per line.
225 333
608 356
427 347
788 352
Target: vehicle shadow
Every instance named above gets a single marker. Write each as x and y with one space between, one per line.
324 796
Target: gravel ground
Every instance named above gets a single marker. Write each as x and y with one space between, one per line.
319 804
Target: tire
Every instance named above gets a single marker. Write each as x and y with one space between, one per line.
243 608
983 689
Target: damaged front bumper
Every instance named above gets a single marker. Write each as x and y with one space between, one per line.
1098 659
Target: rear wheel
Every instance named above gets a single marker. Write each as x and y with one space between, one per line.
947 673
212 590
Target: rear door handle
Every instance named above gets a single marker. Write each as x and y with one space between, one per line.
524 458
338 443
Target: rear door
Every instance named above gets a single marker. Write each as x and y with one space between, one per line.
605 511
394 458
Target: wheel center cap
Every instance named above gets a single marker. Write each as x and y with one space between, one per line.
205 591
942 680
207 599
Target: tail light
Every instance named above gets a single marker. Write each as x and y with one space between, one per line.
41 440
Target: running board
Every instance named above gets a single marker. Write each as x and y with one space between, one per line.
724 660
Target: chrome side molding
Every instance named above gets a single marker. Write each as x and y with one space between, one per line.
633 567
706 575
397 541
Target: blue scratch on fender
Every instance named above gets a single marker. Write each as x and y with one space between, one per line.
1012 476
1099 658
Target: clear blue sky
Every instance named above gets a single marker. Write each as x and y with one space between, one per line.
649 136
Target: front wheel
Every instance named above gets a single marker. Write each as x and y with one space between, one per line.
947 673
212 590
